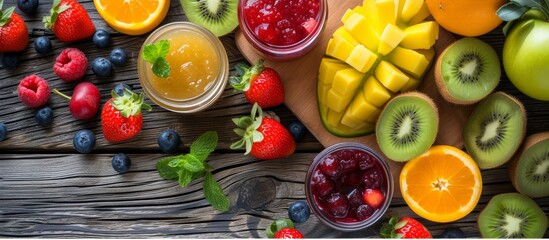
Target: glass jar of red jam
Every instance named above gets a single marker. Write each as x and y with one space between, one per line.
349 186
282 29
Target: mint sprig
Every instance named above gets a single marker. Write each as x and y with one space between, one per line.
155 53
188 167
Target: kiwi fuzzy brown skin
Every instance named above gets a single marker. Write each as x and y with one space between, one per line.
520 138
513 166
410 94
439 81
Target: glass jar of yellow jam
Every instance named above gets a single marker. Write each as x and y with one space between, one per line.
199 68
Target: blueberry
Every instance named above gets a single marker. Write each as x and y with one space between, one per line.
118 56
121 163
169 141
3 131
119 88
452 232
299 212
44 116
10 60
102 67
101 38
27 6
84 141
297 130
42 44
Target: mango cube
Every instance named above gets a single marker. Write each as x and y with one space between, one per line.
339 48
421 15
350 121
428 53
410 8
360 28
411 85
375 93
337 101
390 38
387 12
392 78
333 118
361 58
420 36
346 81
361 109
322 93
409 60
328 68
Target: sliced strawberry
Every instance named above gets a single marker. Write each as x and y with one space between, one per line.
373 197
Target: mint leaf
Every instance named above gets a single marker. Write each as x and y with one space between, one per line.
161 68
192 164
155 53
204 145
214 194
165 170
185 177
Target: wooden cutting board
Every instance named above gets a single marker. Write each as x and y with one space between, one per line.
300 79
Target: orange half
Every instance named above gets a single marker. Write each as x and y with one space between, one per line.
442 185
132 17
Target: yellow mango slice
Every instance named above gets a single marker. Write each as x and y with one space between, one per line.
410 9
339 48
350 121
420 36
387 12
421 15
333 117
411 85
360 108
346 81
428 53
390 76
409 61
342 33
361 58
390 38
337 101
360 28
328 68
375 93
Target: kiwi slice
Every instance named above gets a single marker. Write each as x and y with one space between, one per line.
529 168
467 71
512 215
407 126
495 130
218 16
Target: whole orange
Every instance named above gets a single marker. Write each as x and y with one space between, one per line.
466 17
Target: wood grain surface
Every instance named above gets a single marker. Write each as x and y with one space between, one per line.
48 190
300 81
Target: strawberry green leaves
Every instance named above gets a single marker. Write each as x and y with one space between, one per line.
155 53
191 166
5 15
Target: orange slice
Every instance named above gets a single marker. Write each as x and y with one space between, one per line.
441 185
132 17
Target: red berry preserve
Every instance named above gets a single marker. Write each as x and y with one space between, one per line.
282 22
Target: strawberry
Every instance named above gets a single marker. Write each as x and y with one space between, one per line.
121 117
406 227
373 197
260 84
288 233
264 137
13 31
69 21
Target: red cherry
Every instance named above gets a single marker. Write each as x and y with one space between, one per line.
84 102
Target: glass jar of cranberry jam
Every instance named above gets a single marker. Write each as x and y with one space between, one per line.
282 29
349 186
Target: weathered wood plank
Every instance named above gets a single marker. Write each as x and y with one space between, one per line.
79 196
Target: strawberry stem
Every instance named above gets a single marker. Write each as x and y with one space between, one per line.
247 128
61 94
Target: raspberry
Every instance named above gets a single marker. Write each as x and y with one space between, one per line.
33 91
70 65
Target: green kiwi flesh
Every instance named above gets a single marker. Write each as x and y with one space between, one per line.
218 16
512 215
407 126
467 71
495 130
529 168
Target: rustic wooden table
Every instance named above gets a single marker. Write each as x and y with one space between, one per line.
49 190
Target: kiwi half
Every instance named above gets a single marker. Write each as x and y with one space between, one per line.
407 126
467 71
218 16
495 130
512 215
529 168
